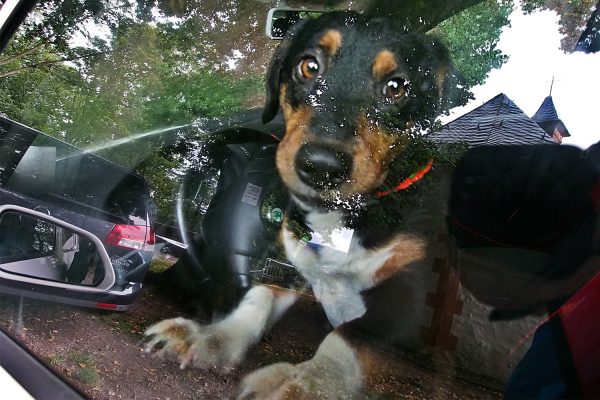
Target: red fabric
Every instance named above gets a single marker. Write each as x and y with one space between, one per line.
581 321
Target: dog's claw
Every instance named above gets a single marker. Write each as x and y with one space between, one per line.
155 344
194 345
189 357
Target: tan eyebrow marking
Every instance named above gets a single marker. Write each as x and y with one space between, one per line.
331 41
384 63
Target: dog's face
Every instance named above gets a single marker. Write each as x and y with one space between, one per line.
351 91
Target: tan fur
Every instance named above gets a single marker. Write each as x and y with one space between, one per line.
373 151
384 64
178 331
331 41
278 291
407 249
294 138
368 359
374 363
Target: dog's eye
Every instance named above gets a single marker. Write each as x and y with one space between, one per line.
308 68
395 88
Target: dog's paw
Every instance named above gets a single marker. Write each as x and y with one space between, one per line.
333 373
304 381
192 344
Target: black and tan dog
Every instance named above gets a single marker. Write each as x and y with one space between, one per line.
353 93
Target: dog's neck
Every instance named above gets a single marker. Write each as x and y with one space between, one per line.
303 210
373 219
324 218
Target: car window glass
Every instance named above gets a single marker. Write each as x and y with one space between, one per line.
141 123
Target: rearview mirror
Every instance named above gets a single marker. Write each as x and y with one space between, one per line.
38 248
280 20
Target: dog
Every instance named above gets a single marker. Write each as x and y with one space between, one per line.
353 93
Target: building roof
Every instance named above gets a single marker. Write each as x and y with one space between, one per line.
499 121
547 118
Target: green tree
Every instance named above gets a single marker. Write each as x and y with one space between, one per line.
43 67
472 37
35 87
158 85
93 72
98 71
573 17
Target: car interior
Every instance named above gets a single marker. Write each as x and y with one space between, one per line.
157 195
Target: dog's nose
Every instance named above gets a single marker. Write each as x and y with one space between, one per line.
322 166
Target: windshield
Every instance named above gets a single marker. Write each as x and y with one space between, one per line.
415 185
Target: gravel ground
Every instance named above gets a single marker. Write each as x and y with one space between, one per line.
100 353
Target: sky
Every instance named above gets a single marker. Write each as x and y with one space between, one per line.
532 43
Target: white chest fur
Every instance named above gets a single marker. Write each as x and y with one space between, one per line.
336 278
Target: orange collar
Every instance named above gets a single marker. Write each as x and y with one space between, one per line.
417 176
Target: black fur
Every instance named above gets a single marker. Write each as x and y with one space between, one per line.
351 88
346 89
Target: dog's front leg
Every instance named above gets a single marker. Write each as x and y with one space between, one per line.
334 372
222 343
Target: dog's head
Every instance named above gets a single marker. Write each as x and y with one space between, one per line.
352 91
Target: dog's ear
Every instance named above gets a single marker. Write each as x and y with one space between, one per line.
272 81
452 89
273 78
450 83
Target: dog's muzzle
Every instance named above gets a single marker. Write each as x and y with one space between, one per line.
322 166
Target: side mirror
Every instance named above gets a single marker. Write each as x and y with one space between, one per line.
36 248
280 20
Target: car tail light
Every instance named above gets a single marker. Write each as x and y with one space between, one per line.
106 306
137 237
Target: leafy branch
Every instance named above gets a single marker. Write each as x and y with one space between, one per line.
48 63
22 54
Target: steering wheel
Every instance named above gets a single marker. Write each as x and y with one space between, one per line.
231 235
